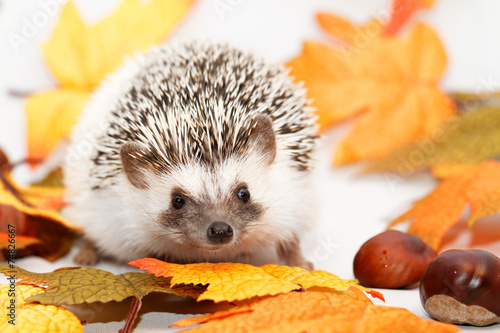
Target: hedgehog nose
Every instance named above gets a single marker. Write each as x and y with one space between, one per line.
220 233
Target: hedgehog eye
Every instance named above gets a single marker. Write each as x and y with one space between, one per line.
244 194
178 201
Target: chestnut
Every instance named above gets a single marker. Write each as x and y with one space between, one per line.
392 259
462 287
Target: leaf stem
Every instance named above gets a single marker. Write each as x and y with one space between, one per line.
6 166
135 306
19 93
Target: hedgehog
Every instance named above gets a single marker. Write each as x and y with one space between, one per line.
193 152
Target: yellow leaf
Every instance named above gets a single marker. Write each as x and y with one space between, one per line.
235 281
433 215
390 85
33 317
50 117
66 49
80 57
311 279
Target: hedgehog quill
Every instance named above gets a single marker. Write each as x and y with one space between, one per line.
189 153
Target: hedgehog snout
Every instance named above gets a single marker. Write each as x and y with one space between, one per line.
220 233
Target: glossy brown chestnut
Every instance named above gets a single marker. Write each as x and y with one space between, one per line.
392 259
462 287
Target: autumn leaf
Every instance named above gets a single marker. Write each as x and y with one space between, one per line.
76 285
347 32
53 179
459 143
352 293
50 116
312 279
21 242
389 83
235 281
402 11
314 312
467 102
31 215
33 317
433 215
80 56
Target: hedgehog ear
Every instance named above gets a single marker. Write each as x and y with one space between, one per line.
263 138
133 168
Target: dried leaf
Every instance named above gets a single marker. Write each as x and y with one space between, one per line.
459 143
53 179
466 101
50 199
21 242
80 56
33 317
402 11
314 312
433 215
76 285
389 83
235 281
31 214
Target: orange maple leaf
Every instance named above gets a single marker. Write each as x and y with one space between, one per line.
389 83
402 11
346 31
433 215
80 56
235 281
314 312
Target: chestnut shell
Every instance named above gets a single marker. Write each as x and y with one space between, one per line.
472 277
391 259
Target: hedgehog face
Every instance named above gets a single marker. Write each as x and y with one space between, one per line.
208 206
211 208
212 216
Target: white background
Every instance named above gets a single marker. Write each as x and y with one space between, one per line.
351 208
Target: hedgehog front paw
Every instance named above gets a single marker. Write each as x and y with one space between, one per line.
305 264
290 253
87 256
300 262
